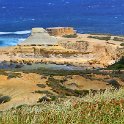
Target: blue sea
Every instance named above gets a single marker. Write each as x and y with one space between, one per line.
17 17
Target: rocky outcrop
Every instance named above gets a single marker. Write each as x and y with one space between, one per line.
79 51
60 31
107 54
100 53
39 37
81 46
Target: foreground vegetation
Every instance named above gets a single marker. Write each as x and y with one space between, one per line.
100 108
105 108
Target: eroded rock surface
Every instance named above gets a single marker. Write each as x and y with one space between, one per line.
80 51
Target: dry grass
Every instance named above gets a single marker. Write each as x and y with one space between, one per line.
106 108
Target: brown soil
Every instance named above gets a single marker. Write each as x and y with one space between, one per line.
22 89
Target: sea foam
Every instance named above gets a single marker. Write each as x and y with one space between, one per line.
17 32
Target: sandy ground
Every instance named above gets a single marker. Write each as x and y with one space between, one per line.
21 89
81 83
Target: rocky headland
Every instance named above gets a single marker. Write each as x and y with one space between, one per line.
90 50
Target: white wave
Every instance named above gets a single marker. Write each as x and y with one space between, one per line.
17 32
22 32
5 32
21 40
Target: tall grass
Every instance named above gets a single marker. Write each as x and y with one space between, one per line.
105 108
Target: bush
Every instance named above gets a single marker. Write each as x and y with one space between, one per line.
70 36
114 83
101 37
41 85
4 99
118 39
122 44
44 99
60 89
101 34
14 75
48 93
118 65
3 72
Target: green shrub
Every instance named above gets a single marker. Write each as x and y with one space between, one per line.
41 85
118 65
70 36
101 37
4 99
47 72
118 39
14 75
48 93
122 44
82 92
107 34
3 72
44 99
58 87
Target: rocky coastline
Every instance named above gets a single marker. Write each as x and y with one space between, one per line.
84 50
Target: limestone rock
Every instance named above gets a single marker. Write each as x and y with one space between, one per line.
39 36
60 31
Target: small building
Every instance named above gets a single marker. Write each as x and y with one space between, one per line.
39 37
60 31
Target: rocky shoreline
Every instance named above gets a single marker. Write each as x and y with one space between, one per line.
83 50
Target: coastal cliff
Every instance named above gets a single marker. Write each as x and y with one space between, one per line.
82 50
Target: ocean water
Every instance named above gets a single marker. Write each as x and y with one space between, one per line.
17 17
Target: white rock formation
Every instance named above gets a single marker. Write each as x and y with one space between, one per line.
39 36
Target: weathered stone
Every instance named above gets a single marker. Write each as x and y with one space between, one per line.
39 36
61 31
